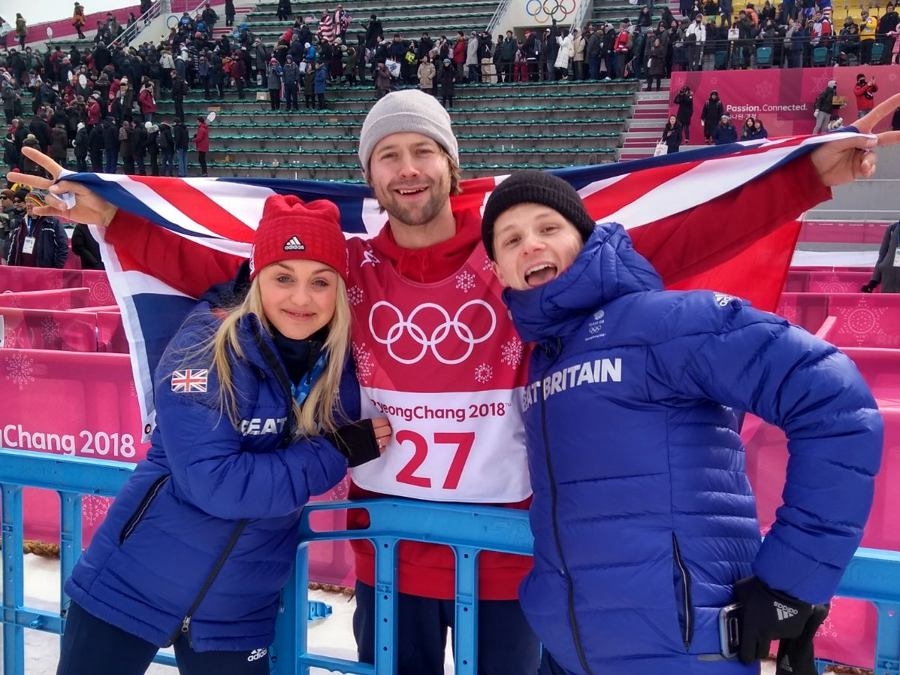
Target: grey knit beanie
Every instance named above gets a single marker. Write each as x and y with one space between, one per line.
534 187
406 111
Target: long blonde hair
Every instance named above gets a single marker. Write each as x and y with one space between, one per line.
317 414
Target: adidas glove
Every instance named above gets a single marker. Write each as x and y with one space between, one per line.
355 441
767 615
795 656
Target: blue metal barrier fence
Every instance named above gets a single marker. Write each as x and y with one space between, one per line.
873 575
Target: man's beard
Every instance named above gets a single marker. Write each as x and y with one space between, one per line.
418 214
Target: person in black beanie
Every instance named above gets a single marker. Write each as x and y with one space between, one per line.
534 187
642 509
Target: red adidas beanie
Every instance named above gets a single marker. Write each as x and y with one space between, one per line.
293 230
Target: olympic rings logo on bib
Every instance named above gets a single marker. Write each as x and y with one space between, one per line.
451 340
544 10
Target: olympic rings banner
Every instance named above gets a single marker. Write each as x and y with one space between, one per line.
544 11
524 14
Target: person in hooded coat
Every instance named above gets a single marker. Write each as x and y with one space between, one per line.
644 521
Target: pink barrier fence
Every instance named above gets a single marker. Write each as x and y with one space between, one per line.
827 268
848 635
49 329
60 298
881 368
110 333
861 319
782 96
821 281
43 279
82 331
865 320
804 309
841 232
84 404
80 404
63 29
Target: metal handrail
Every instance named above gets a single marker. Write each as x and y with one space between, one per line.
497 16
139 25
872 575
584 10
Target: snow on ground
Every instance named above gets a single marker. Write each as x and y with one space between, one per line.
332 636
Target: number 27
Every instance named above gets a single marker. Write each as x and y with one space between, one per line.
463 442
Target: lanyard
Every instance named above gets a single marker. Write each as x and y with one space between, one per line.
301 390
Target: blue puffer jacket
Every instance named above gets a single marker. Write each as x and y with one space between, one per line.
643 515
204 485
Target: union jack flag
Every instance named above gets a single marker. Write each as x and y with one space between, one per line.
708 218
189 381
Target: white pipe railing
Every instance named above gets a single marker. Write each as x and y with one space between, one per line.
498 16
142 22
584 10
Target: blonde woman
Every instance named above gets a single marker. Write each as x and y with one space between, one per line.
253 399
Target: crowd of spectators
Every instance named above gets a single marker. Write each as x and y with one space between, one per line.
705 35
101 99
788 34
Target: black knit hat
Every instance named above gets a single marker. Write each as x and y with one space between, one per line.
534 187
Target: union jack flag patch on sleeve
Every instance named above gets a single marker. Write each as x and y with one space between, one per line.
189 381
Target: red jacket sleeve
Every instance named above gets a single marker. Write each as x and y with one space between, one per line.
138 242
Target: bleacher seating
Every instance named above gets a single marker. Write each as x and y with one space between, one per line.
614 11
500 129
415 19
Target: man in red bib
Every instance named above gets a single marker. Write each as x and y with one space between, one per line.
437 354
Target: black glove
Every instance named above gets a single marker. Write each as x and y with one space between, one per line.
355 441
766 615
869 287
795 656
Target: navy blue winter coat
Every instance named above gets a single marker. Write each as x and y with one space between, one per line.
643 516
203 484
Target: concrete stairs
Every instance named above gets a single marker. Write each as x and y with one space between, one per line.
645 127
501 128
615 11
411 21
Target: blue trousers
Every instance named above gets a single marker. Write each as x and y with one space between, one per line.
181 158
506 644
93 647
110 159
